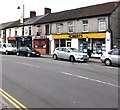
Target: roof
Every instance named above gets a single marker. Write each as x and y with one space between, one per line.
15 24
90 11
4 25
28 21
32 20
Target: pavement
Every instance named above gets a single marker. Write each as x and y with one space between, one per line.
4 104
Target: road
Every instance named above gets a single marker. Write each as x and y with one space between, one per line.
47 83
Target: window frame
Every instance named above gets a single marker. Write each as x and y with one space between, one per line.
84 26
9 32
58 28
70 25
101 24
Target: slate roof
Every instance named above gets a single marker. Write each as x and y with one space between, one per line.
32 20
4 25
90 11
16 23
28 21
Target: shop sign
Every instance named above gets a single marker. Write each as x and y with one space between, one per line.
11 38
76 36
39 37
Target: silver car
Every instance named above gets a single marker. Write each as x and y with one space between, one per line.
111 57
71 54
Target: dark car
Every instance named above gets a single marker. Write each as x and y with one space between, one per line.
26 51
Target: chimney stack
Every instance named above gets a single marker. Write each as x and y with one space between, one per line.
32 14
47 10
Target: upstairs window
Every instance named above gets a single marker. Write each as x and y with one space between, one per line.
47 29
70 27
0 33
59 28
38 30
9 32
85 25
101 23
15 31
30 30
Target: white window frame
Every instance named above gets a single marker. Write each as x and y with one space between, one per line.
16 32
9 32
101 24
70 25
58 28
85 27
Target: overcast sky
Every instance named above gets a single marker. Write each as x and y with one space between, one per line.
9 11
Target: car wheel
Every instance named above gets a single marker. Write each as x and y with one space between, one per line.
18 53
55 57
6 52
108 62
28 55
72 59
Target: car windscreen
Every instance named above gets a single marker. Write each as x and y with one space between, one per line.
73 49
9 45
31 49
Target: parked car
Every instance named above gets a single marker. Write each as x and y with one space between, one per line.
111 57
26 51
7 48
71 54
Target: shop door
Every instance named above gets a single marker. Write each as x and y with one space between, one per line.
68 43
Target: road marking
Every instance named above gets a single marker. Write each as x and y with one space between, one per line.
27 64
67 73
83 77
15 105
12 100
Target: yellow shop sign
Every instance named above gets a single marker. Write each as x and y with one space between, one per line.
69 36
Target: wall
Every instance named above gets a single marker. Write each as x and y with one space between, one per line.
92 23
115 26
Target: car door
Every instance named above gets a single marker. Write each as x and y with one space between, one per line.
59 52
115 56
65 53
25 51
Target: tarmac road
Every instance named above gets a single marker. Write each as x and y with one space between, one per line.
46 83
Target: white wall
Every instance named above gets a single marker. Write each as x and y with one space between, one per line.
74 43
108 41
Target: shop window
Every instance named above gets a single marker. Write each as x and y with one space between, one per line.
40 43
85 25
56 43
101 23
70 27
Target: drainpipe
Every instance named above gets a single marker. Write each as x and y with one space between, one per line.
109 29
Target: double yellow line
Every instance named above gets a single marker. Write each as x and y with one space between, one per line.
12 100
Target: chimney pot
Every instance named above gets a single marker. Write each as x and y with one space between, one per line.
32 14
47 10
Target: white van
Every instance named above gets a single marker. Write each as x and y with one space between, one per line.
7 48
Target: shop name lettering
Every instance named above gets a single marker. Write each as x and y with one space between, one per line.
76 36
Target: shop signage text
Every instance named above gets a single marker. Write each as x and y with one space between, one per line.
76 36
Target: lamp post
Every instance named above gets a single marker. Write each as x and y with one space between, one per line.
23 14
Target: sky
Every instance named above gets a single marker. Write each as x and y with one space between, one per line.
9 11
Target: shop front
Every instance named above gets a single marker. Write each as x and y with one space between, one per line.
96 42
12 40
41 44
